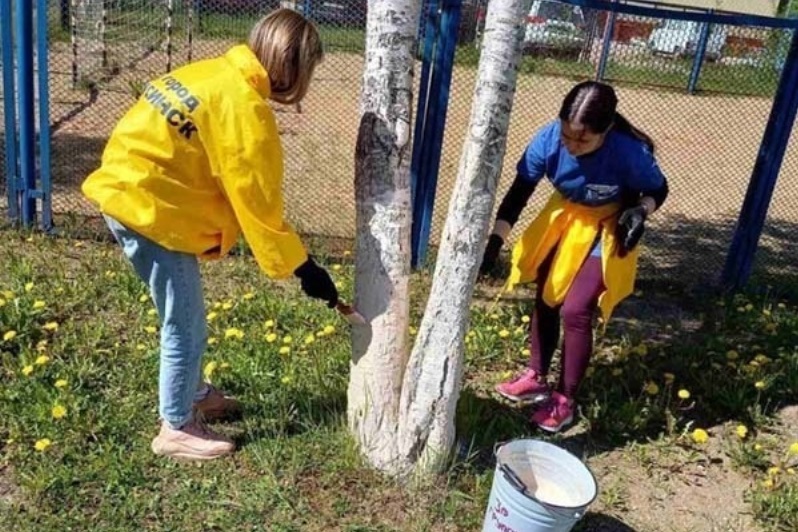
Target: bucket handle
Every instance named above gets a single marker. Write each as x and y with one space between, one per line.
513 478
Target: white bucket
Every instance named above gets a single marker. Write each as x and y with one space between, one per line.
538 487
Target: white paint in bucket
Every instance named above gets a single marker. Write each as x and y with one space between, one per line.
538 487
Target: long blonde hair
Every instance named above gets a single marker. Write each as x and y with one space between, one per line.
289 48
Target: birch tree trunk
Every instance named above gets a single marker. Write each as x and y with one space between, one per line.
382 268
433 378
404 420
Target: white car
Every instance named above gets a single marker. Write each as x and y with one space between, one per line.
679 38
554 28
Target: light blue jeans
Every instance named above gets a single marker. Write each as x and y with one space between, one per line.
176 288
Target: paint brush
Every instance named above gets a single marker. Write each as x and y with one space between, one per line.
351 315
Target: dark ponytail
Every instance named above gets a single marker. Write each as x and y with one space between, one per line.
622 125
595 105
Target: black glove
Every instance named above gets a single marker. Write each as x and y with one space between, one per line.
495 243
316 282
630 229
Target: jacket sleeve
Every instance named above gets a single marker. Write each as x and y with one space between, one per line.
240 137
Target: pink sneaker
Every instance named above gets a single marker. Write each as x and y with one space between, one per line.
527 387
191 442
555 413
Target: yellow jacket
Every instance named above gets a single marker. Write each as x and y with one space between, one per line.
197 161
573 229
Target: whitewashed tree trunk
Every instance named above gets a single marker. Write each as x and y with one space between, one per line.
433 378
404 420
382 269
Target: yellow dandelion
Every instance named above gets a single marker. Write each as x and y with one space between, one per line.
793 448
329 329
141 347
41 345
110 274
336 267
28 287
762 359
524 319
504 333
590 371
39 304
209 369
211 316
767 483
224 365
759 385
652 388
143 298
782 306
233 332
41 360
773 471
742 431
27 370
227 305
669 377
150 329
50 326
641 350
271 337
8 294
683 394
2 302
413 331
217 305
152 312
269 324
249 295
9 335
286 379
285 350
494 316
61 383
347 253
287 340
212 340
526 352
58 411
790 471
700 436
732 355
766 312
757 446
309 339
42 445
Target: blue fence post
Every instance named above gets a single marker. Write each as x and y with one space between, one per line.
42 51
10 114
609 29
740 260
700 53
434 125
429 23
25 104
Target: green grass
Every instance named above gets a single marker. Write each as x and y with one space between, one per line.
297 468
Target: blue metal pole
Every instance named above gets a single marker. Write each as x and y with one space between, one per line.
740 260
10 114
42 51
442 77
25 103
700 52
418 162
609 28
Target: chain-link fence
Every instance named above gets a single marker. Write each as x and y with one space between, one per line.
103 51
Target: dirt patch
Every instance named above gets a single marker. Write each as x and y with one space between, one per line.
671 491
9 491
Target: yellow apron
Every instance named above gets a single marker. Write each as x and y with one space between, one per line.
573 229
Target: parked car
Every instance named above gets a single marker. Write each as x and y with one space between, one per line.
344 13
554 28
679 38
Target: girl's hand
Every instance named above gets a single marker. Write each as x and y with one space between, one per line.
631 226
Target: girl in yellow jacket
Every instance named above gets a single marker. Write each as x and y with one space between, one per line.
582 248
196 162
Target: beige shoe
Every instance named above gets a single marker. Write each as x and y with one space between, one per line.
192 442
217 405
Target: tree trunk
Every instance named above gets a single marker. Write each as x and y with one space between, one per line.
382 269
404 421
434 375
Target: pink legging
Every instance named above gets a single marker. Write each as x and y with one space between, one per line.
577 316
